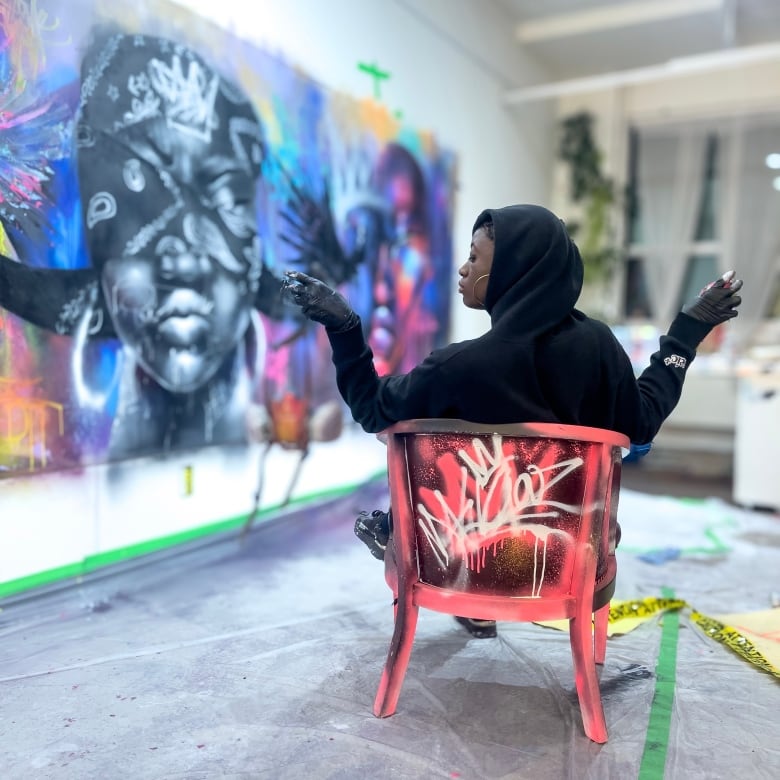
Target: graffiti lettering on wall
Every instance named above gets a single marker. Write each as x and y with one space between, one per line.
150 200
487 496
24 421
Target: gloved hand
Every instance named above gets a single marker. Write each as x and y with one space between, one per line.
320 302
717 302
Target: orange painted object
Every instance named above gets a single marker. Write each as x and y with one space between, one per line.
507 523
24 422
290 420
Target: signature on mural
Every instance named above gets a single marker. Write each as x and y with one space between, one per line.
489 501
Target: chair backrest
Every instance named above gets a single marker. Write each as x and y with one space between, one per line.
503 510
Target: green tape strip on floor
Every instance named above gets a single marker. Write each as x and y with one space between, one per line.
90 563
653 763
659 725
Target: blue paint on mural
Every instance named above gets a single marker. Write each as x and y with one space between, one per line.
155 181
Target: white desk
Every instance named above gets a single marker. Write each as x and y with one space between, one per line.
756 459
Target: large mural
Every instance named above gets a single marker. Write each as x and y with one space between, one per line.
157 176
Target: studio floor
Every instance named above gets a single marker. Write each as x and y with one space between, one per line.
261 660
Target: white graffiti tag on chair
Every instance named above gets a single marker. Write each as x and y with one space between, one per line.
491 503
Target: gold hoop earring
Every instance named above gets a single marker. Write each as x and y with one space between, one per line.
474 288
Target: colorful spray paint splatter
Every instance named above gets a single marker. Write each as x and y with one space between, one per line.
113 339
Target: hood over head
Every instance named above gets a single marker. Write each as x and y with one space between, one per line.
536 277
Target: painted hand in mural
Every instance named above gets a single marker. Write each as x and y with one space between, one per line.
320 302
313 236
717 302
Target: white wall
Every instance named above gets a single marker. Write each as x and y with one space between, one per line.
451 62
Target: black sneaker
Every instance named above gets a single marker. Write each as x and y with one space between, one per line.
479 629
374 531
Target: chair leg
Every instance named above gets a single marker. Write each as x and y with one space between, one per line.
601 622
391 568
581 637
397 658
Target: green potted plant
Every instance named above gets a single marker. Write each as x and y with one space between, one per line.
594 193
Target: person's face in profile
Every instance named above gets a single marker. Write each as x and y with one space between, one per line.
183 302
475 272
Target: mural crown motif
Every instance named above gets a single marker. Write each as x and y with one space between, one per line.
189 98
354 184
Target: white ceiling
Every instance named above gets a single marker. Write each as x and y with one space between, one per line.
573 39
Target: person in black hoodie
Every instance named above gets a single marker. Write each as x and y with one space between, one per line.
542 360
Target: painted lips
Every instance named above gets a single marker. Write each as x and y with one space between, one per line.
184 332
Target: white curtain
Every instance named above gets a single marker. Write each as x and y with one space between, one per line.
671 169
753 246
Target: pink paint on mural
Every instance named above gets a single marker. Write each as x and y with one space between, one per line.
158 175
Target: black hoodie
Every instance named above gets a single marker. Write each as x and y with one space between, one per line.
541 361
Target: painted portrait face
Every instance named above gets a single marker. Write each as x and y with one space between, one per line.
169 156
403 265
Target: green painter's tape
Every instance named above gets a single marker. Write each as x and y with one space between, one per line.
659 725
101 560
94 562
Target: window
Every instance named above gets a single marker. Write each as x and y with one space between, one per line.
673 217
636 296
773 309
700 270
703 198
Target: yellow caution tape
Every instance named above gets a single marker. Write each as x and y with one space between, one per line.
642 608
625 616
730 637
636 611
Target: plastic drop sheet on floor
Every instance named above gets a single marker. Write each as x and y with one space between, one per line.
262 659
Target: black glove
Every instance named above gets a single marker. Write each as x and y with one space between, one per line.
717 302
320 302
